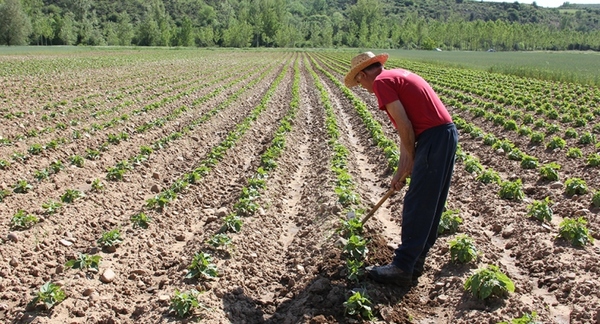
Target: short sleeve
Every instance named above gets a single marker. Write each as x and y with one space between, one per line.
384 92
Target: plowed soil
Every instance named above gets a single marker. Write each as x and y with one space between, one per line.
285 266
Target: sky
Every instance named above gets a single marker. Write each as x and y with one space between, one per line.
551 3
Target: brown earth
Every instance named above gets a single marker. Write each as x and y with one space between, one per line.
284 266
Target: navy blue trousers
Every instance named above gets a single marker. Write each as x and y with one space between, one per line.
425 199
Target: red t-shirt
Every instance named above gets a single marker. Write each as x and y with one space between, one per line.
423 107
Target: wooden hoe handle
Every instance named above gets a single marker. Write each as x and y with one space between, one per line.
381 201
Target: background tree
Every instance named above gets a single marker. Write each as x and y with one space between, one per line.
15 25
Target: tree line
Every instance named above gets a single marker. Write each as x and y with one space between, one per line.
298 23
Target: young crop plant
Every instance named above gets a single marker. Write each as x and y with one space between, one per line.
595 199
51 207
115 174
529 162
19 157
549 171
556 143
593 160
489 139
351 226
355 269
512 190
356 248
22 220
202 267
3 194
516 155
4 165
97 185
185 303
524 131
359 305
52 145
462 249
472 165
110 238
489 282
527 318
587 138
140 220
574 153
571 133
488 176
77 160
510 125
575 231
41 175
232 223
56 166
22 186
219 240
50 294
506 145
575 186
537 137
449 221
84 261
541 210
35 149
71 195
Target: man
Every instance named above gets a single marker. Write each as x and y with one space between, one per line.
428 141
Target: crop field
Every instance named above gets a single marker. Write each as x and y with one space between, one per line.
215 186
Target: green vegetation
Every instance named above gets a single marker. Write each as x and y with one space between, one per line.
202 267
575 186
84 261
489 282
541 210
184 303
449 221
359 305
110 238
50 294
462 249
575 231
22 220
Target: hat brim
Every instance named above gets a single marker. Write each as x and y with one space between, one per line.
349 80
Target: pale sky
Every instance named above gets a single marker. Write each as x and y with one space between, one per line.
550 3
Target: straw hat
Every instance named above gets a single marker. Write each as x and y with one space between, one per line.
361 61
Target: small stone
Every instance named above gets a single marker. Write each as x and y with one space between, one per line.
500 151
88 291
65 242
253 255
164 298
108 276
556 185
194 138
442 298
14 262
180 237
582 212
12 236
180 158
155 175
139 272
222 212
211 219
261 211
155 188
571 276
95 296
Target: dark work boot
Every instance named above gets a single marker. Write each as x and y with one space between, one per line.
390 274
419 268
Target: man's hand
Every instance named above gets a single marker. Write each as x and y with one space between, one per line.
405 166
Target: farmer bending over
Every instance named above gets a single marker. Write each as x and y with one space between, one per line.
428 145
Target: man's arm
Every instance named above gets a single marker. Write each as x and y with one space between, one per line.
407 143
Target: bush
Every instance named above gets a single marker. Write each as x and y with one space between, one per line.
512 190
449 221
462 249
541 210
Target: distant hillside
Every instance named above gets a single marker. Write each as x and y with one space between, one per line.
424 24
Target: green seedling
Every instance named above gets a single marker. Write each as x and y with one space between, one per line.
56 166
202 267
50 294
3 194
41 175
22 220
51 207
512 190
541 210
84 261
232 223
184 303
22 186
71 195
97 185
358 305
527 318
140 220
355 269
462 249
356 248
77 161
449 221
550 171
488 176
575 231
110 238
575 186
488 282
219 240
352 226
